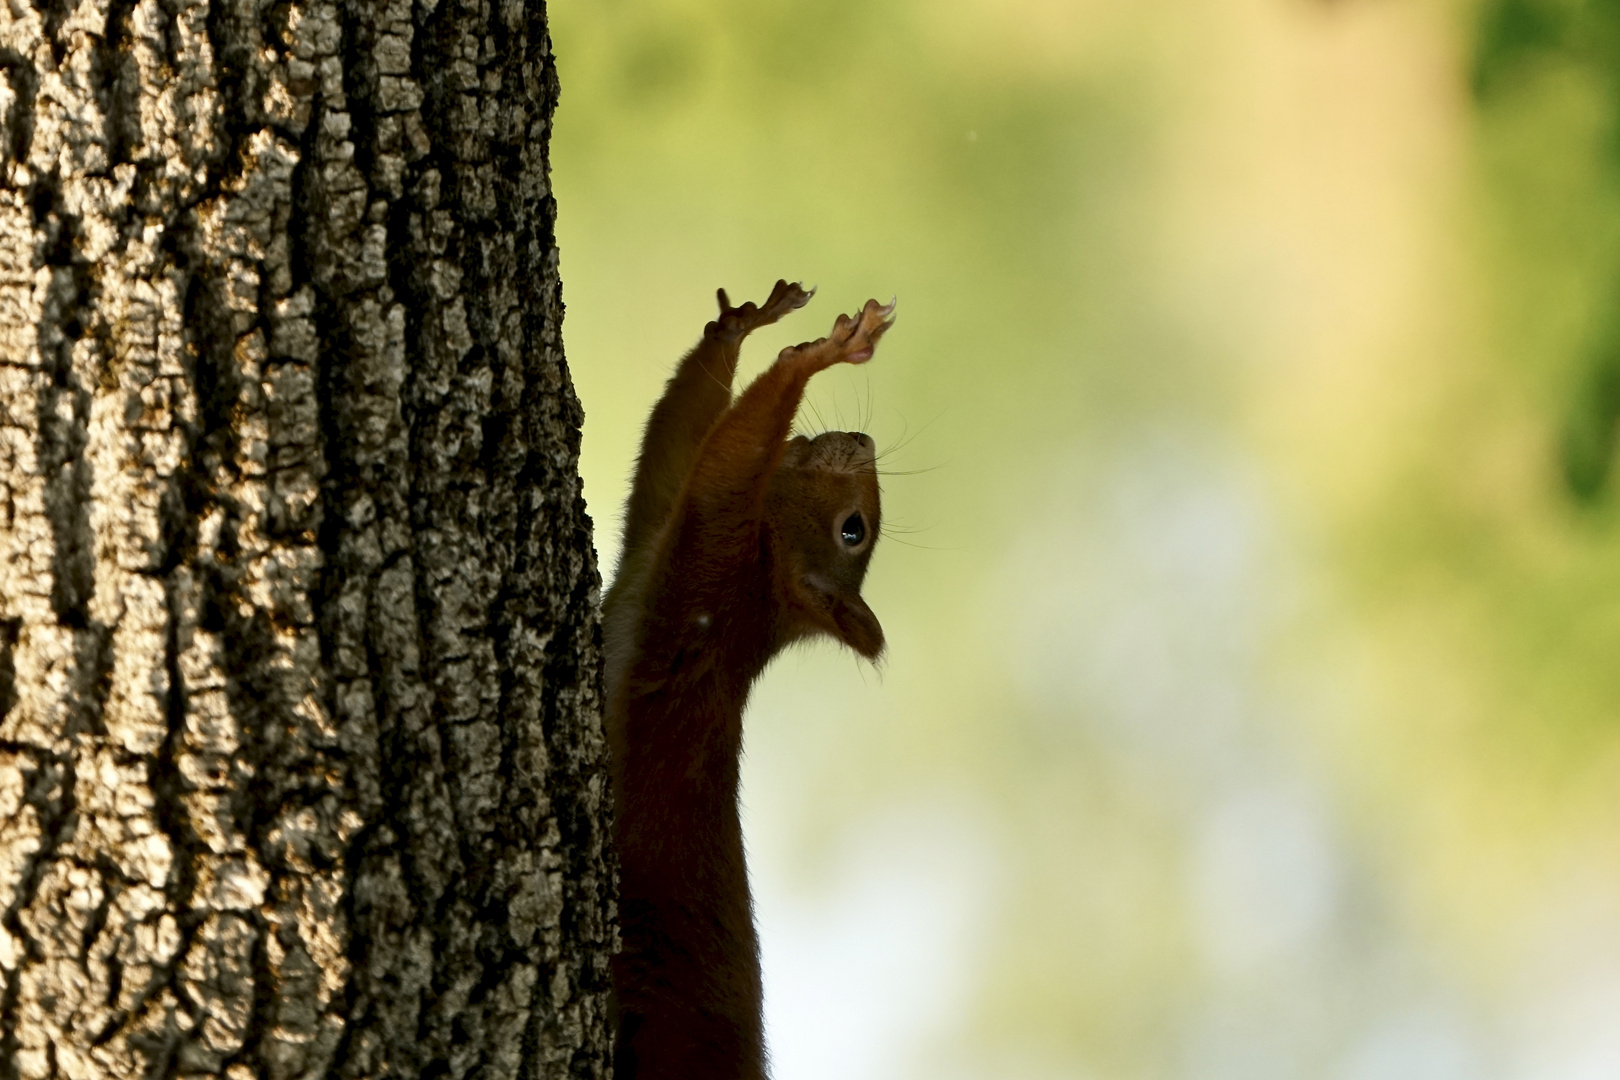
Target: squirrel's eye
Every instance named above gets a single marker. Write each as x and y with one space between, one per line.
853 529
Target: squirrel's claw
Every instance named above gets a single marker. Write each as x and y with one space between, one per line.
785 297
852 341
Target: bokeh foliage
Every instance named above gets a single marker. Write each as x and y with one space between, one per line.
1521 45
1255 390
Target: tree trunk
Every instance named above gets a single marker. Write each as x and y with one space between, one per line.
301 769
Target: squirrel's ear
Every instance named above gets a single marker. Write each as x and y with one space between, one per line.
843 614
858 627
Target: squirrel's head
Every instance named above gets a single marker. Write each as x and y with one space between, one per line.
822 518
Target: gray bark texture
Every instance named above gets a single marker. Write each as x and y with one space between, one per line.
301 770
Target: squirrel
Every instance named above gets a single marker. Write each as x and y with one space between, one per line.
738 540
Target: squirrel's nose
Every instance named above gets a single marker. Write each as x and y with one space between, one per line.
865 451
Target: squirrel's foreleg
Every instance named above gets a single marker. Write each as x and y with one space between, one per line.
694 398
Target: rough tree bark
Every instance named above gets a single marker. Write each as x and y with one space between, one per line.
300 764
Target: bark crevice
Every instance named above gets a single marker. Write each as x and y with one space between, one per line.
300 768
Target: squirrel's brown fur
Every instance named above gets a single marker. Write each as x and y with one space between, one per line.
737 541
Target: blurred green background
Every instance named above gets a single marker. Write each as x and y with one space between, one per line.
1252 705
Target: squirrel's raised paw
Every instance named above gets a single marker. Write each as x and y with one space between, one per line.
857 337
785 297
741 321
853 339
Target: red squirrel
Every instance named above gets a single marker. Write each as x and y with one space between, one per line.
738 540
